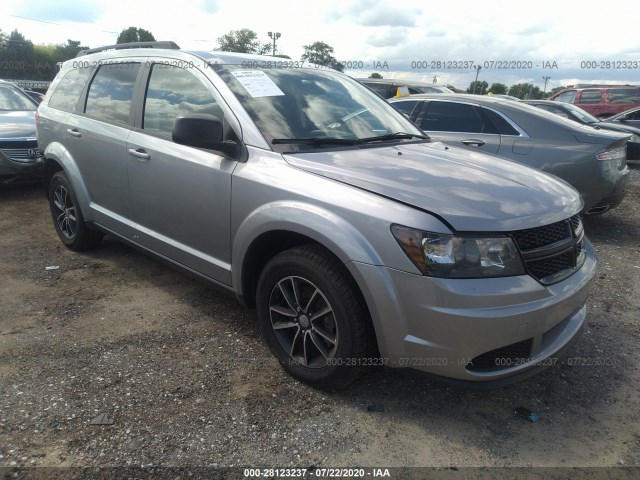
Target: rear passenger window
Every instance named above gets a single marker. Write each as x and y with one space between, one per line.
406 106
453 117
590 96
174 92
67 93
111 92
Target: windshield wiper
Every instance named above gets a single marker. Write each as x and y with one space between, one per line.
346 141
314 141
392 136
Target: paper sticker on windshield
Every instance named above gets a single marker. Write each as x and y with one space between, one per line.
257 83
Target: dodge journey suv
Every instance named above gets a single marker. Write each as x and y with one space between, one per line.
358 240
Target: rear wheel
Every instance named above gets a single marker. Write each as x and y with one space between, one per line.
67 217
311 318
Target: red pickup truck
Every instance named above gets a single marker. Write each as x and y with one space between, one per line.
601 100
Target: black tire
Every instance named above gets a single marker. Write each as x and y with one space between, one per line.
67 217
322 284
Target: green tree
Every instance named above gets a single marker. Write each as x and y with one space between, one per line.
525 91
243 41
479 87
68 51
553 91
456 90
375 75
17 59
133 34
499 88
321 53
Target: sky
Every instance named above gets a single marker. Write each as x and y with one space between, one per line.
570 42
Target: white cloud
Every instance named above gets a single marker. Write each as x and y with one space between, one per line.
397 33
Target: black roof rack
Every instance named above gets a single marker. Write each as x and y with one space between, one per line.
121 46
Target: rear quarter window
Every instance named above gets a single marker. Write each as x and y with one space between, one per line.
67 93
623 95
502 126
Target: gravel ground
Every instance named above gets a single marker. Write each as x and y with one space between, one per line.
181 370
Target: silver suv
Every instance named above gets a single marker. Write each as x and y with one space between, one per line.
359 241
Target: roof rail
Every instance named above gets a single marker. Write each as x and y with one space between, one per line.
121 46
599 85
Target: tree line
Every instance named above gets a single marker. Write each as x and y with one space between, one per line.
20 58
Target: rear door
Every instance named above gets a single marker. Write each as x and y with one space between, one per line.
591 100
181 195
459 123
97 139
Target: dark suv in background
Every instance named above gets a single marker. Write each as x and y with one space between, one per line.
601 100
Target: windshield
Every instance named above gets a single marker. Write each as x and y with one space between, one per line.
12 99
319 105
585 117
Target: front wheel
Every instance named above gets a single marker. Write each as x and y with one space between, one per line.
311 318
67 217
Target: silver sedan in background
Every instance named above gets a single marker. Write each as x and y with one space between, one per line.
593 161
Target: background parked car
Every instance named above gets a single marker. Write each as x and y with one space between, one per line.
601 100
593 161
389 88
35 96
628 118
19 153
572 112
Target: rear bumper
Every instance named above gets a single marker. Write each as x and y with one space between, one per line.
616 181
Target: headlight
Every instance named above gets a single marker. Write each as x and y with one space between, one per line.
635 138
454 256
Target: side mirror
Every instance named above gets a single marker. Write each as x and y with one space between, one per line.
198 130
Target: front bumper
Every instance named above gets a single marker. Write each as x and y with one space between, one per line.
10 167
476 330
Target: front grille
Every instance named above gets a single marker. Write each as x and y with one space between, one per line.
21 151
542 236
22 154
553 252
547 267
505 357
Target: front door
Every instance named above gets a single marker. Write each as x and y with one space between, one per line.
181 195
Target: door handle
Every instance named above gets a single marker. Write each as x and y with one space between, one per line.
74 132
140 154
474 142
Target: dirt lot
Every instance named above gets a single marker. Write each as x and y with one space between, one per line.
182 371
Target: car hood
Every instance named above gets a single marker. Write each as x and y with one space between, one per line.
470 191
19 124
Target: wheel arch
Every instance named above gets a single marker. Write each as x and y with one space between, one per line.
279 226
58 158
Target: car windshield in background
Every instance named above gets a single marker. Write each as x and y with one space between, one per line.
12 99
307 109
583 115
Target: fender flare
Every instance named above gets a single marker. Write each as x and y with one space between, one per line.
57 152
321 225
